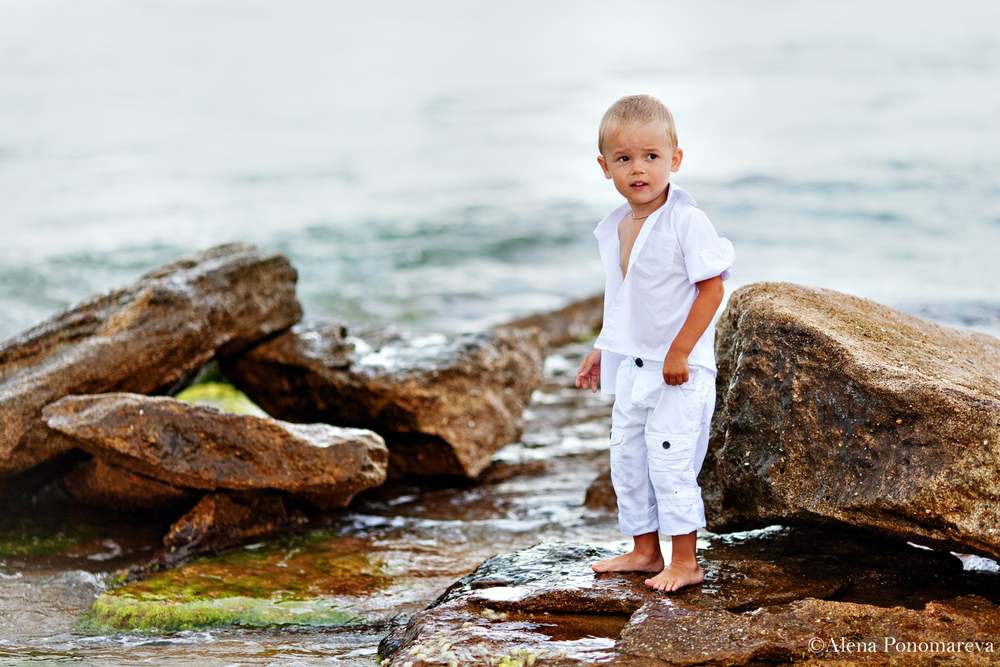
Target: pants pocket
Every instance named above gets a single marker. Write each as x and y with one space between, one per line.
679 408
670 458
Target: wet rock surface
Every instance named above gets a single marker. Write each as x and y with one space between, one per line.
765 596
835 409
146 338
194 447
444 404
672 633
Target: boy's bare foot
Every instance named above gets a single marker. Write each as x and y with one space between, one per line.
630 562
677 575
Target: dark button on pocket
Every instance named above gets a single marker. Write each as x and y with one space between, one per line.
666 445
638 362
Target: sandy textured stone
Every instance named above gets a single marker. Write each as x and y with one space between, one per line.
191 446
444 404
98 484
837 409
578 321
143 338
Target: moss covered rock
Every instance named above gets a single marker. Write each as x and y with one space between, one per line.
301 581
221 396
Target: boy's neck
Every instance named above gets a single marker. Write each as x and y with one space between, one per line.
656 205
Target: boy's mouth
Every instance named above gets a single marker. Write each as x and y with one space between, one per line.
639 184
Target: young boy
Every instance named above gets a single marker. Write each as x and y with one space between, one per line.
664 265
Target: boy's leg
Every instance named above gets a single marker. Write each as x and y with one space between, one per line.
677 442
630 478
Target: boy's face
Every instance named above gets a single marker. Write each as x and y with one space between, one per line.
639 160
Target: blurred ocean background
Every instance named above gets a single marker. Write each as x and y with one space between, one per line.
433 162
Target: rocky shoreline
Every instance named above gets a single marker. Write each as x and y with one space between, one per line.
859 428
82 398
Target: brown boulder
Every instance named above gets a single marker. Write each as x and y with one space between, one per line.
190 446
837 409
578 321
143 338
601 492
98 484
444 404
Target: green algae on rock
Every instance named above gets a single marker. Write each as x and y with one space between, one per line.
301 581
122 612
23 543
221 396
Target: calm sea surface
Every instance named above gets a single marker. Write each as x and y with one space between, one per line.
434 162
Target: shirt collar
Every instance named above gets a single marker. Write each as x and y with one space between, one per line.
610 223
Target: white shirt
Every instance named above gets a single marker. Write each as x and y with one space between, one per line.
643 313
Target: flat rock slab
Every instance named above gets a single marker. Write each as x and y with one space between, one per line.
444 404
195 447
837 409
143 338
761 592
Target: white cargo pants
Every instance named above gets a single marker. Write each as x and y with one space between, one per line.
659 437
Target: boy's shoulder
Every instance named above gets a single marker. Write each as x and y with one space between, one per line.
680 211
683 197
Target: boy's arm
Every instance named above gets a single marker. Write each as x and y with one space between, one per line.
710 295
590 371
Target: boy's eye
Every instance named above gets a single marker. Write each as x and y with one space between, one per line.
652 156
623 159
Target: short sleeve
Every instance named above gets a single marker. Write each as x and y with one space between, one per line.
706 254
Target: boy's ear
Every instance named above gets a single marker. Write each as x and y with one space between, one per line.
675 162
604 166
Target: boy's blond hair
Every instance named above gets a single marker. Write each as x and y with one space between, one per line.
635 110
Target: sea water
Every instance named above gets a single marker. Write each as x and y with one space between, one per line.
434 163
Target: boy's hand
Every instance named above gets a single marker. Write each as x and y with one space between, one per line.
590 371
675 368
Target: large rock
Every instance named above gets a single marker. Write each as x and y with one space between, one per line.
444 404
142 338
190 446
836 409
765 597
